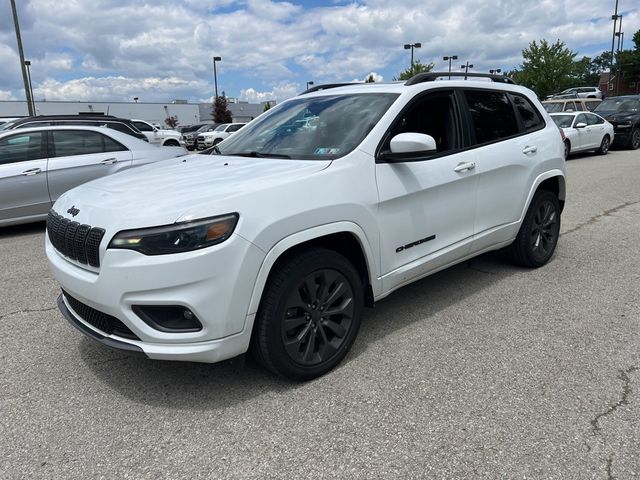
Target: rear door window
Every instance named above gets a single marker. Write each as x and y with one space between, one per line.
67 143
492 115
529 115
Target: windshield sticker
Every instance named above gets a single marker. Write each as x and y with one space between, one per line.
326 151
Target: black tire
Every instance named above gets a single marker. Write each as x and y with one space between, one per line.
217 141
605 144
299 295
538 236
171 143
567 149
634 140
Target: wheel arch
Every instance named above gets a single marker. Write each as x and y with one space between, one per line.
170 140
345 238
552 181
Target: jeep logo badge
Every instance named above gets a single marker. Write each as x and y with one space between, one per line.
73 211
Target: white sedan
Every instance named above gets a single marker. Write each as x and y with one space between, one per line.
584 131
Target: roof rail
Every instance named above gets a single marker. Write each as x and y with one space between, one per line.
432 76
327 86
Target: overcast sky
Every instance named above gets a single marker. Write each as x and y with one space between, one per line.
162 50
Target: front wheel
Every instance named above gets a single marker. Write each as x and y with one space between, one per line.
538 235
309 315
567 149
171 143
605 144
634 141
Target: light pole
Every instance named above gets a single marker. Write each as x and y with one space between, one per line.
27 92
466 67
614 17
451 57
27 63
495 70
411 46
310 82
215 74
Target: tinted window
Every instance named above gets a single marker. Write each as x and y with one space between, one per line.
563 121
21 148
433 115
579 107
143 127
76 142
110 145
492 114
121 127
591 119
569 107
531 119
582 118
234 128
552 107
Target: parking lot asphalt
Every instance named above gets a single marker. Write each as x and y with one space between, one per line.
484 370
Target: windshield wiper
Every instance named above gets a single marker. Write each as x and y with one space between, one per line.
255 154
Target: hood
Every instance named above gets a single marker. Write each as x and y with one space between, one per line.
618 116
184 188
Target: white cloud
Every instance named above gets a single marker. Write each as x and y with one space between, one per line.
6 95
279 93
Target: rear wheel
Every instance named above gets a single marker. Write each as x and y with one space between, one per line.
309 315
567 149
604 146
538 235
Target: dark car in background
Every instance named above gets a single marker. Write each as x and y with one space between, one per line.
120 124
189 137
624 113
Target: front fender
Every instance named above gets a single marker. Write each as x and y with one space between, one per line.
304 236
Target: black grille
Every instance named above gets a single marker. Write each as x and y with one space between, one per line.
78 242
103 322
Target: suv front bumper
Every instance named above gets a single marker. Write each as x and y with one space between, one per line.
215 283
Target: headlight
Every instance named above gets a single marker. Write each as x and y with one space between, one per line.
179 237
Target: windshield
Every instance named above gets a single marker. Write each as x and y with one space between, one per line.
619 105
563 121
205 128
553 107
316 128
219 128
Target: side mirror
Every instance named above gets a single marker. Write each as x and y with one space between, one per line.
412 143
581 125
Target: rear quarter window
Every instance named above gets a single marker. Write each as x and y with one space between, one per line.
529 115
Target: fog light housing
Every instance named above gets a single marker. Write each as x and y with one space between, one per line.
168 318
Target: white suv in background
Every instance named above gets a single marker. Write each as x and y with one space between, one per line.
277 243
209 139
159 136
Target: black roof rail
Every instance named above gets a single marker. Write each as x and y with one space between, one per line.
432 76
327 86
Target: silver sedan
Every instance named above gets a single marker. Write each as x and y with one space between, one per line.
37 165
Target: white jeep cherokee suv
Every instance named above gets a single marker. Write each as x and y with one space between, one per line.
159 136
278 242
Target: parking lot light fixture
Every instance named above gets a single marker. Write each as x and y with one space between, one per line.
450 58
309 83
411 46
466 67
495 70
215 74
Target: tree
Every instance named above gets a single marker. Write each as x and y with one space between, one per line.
171 121
417 67
221 113
370 79
628 62
546 68
267 106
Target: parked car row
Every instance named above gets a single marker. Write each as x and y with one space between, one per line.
571 105
584 131
579 92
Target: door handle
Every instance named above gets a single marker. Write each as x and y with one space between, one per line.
530 149
109 161
32 171
463 167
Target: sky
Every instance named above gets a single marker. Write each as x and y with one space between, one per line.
161 50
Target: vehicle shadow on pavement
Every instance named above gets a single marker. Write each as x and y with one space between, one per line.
20 230
195 386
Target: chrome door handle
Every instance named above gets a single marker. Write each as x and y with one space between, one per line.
530 149
463 167
109 161
32 171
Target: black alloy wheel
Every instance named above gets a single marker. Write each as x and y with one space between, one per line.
634 142
309 314
604 146
318 315
538 236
